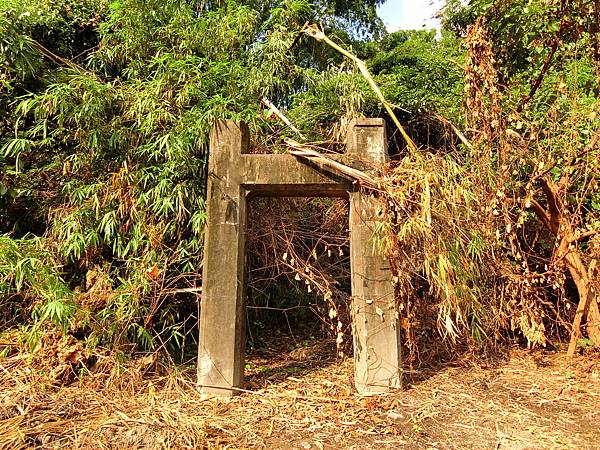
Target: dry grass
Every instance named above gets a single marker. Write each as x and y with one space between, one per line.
305 399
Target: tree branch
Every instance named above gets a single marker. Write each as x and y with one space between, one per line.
538 82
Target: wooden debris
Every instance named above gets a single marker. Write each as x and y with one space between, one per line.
308 153
281 116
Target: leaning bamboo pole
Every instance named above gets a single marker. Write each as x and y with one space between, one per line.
314 31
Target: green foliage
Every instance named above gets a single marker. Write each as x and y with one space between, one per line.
106 109
415 71
62 25
29 275
334 96
105 113
525 32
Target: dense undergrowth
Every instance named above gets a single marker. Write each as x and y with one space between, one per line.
492 224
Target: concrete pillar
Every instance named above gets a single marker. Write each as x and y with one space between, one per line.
375 322
222 311
233 175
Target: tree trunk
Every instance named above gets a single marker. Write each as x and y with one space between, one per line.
587 309
593 317
593 321
555 218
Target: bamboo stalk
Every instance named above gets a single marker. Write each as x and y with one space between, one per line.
281 116
313 31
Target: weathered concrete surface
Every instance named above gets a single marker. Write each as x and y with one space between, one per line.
375 324
234 176
286 175
366 142
375 327
223 316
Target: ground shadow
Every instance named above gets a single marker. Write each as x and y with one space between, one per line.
287 360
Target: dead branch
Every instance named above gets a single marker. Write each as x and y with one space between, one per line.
458 133
314 156
59 59
555 220
541 213
281 116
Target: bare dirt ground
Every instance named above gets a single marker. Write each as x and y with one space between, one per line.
305 399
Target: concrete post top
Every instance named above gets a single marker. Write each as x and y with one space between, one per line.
366 140
230 136
367 122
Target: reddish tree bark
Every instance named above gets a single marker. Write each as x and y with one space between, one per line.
555 218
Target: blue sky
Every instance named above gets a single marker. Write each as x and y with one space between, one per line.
410 14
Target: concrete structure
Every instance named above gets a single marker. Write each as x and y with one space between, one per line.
234 177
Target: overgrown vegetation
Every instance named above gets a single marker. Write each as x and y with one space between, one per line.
106 109
501 231
106 114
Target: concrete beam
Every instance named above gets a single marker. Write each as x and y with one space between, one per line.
287 176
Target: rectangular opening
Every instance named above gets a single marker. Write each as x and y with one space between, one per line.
298 286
